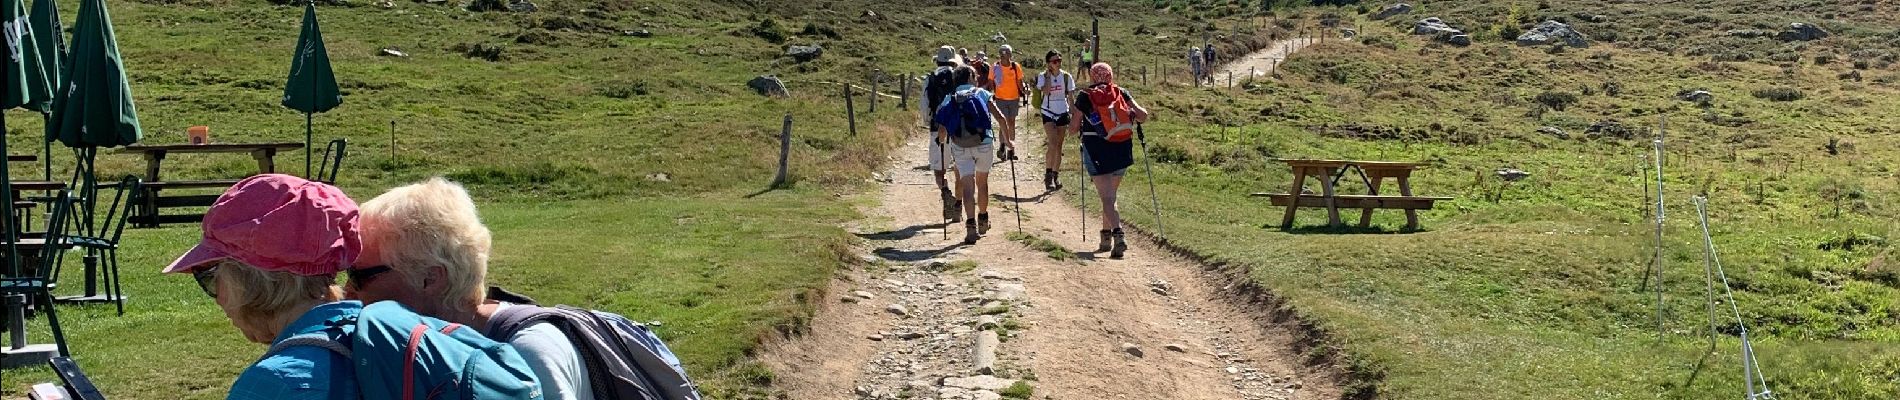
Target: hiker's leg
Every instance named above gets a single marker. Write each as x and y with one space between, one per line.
983 193
937 163
980 175
1106 186
1052 155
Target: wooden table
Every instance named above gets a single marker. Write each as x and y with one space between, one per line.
1375 173
151 200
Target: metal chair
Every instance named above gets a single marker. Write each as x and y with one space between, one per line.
38 286
101 241
332 161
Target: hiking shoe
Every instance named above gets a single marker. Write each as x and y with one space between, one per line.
1120 246
969 233
1107 242
983 223
1002 153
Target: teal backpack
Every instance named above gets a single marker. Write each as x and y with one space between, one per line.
399 354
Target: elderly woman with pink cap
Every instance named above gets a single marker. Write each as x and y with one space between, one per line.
1109 116
272 247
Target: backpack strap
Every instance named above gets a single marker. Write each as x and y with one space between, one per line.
317 340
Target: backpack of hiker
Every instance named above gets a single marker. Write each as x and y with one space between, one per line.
624 359
966 117
939 85
1117 115
398 354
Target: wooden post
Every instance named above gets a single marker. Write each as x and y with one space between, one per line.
784 151
1144 75
850 111
903 100
876 75
1230 79
1250 73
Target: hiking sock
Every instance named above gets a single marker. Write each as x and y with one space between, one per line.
983 223
969 232
1106 241
1120 245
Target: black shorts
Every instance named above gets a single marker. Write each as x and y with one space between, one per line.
1060 119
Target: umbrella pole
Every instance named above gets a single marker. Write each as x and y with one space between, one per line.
46 151
306 144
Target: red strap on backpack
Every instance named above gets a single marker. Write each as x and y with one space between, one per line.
1117 116
415 345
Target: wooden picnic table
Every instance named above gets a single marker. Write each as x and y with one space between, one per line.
1330 171
147 210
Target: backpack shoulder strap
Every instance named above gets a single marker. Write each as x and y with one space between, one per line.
511 320
317 340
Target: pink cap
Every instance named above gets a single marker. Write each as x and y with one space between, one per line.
279 222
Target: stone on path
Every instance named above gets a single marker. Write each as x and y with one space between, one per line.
910 335
985 322
983 355
864 295
1131 349
991 275
1009 292
1175 347
979 382
985 395
897 309
875 337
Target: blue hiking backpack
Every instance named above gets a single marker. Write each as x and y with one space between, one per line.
967 117
398 354
624 359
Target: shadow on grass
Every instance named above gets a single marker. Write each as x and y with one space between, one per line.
1343 230
894 254
901 234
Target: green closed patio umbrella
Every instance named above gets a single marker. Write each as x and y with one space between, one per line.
50 39
95 108
25 83
311 87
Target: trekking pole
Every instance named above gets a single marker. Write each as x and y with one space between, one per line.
1082 185
1150 166
1013 191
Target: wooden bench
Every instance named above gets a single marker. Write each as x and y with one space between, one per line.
1374 172
152 197
1357 201
150 201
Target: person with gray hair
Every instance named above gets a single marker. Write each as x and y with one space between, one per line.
424 246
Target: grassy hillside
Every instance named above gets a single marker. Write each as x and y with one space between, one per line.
619 171
1532 289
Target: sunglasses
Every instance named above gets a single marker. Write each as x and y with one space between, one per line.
360 276
207 280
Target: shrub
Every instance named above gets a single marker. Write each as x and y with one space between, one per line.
812 29
1778 93
769 30
622 90
1556 100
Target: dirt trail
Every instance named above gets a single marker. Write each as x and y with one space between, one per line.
1263 62
1150 326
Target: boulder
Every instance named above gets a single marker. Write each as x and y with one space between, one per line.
1554 132
1548 32
1698 96
805 53
1512 174
1392 10
392 52
1459 39
1801 31
768 85
1430 26
522 6
1612 128
639 33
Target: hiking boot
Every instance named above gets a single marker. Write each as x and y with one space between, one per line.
1120 246
1054 179
1107 243
1002 153
983 223
969 233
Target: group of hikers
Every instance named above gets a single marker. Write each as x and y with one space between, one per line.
1201 62
966 99
415 317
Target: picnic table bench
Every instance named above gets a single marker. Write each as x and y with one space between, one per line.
153 198
1374 173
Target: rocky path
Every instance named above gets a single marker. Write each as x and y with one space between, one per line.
930 318
1263 62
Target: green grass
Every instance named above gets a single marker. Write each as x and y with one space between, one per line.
618 172
1038 243
1019 390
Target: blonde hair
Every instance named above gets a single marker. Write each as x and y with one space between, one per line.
264 295
432 224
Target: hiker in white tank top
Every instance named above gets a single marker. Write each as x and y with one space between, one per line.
1055 87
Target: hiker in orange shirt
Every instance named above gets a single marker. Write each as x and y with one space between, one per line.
1006 81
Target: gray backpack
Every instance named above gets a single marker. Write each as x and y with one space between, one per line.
624 359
